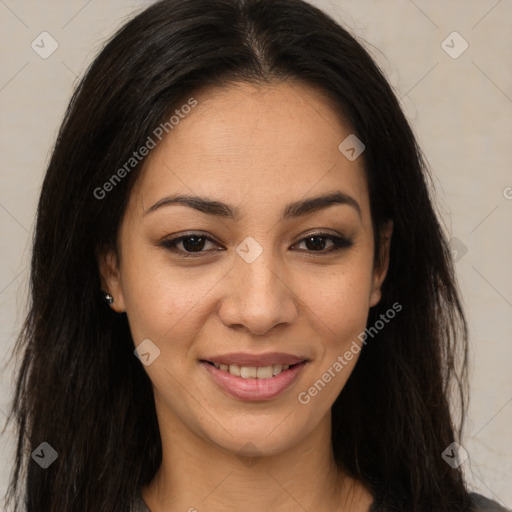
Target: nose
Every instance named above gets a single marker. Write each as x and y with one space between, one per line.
260 296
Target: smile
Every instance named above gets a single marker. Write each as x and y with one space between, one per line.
253 383
252 372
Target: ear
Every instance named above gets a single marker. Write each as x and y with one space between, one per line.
110 276
381 267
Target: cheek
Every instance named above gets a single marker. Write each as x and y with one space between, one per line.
340 304
164 302
156 306
341 298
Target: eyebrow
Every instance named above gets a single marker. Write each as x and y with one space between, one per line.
291 211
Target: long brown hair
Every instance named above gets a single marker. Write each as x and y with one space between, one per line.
80 388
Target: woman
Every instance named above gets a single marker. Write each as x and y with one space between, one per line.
241 295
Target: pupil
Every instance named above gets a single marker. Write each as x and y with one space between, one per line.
315 245
194 245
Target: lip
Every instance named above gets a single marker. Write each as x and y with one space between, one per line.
254 389
245 359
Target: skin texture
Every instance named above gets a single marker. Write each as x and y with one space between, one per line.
257 148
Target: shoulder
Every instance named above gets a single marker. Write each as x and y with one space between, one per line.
479 504
394 500
483 504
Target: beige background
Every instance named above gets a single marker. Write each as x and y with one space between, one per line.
460 108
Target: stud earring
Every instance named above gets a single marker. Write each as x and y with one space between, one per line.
109 298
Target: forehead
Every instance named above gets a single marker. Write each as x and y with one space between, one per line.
254 146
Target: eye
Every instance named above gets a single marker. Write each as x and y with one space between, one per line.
192 244
316 242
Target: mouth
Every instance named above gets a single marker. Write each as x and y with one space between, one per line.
254 379
253 372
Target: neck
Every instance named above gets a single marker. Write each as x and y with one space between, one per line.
196 475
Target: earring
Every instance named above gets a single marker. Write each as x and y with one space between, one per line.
109 298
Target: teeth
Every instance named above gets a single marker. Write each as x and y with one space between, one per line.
234 369
248 372
264 372
253 372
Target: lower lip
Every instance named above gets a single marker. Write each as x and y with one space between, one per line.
254 389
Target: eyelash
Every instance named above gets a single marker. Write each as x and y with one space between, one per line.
339 242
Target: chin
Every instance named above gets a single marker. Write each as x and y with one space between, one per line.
257 437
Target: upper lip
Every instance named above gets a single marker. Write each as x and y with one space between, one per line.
245 359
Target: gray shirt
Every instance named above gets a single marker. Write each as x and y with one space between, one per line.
480 504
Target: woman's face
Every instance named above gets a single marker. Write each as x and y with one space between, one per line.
264 289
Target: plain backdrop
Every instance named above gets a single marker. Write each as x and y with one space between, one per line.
458 100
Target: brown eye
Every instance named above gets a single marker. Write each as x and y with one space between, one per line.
191 244
316 242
